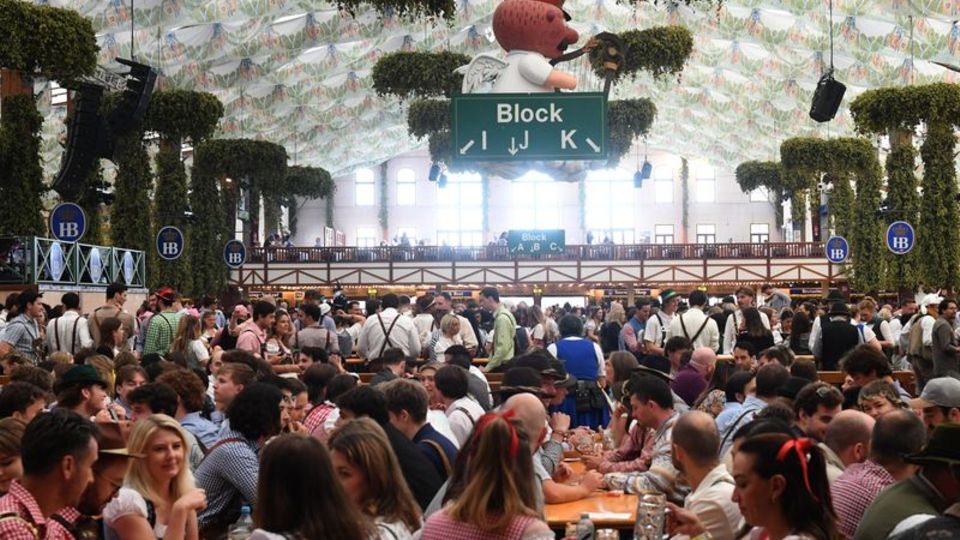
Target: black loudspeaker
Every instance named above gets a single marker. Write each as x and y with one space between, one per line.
85 142
136 96
827 98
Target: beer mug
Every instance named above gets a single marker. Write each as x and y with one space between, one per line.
651 511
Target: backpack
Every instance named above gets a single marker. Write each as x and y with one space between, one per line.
915 347
521 341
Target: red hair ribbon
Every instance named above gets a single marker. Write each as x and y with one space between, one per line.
800 446
514 439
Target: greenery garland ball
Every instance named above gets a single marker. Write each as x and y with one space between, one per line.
418 74
627 119
752 175
21 177
309 183
883 109
184 114
263 162
426 116
58 43
411 9
661 50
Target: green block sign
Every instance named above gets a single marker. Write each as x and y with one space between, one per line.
536 242
522 127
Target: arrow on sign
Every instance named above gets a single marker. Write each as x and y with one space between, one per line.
513 143
593 145
466 147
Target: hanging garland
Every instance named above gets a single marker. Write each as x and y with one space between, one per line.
21 178
418 74
170 203
130 225
59 44
896 112
685 194
306 183
384 213
753 175
805 159
409 9
661 50
178 115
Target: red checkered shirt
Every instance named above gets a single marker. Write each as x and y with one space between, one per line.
854 491
28 522
316 418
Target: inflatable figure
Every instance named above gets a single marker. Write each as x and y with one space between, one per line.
532 32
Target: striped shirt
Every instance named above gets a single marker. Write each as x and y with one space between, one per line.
229 475
634 453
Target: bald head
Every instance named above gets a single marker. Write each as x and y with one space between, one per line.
703 359
696 433
529 410
847 429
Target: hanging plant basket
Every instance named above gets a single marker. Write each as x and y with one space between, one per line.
752 175
409 9
662 50
183 114
58 43
418 74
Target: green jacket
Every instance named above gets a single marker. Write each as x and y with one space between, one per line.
504 338
914 495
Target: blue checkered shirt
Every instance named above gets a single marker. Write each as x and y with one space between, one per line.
229 475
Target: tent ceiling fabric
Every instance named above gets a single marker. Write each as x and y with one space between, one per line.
298 72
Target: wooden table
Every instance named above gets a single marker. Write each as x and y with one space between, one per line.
558 515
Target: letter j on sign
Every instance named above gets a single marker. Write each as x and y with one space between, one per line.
838 249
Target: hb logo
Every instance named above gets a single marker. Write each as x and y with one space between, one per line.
235 258
836 253
901 242
170 245
69 229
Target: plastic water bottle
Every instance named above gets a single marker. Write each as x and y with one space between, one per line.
585 528
243 528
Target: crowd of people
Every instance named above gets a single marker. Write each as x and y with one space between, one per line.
183 421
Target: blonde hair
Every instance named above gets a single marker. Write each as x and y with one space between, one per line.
365 445
139 477
60 357
447 321
105 369
616 313
867 303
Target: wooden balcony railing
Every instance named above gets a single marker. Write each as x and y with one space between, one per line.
779 250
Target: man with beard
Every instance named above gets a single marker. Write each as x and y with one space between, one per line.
113 461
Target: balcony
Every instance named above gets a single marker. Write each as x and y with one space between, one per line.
594 265
650 252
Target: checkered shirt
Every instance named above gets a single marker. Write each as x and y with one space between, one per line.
854 491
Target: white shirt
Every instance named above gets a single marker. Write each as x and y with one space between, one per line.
526 71
71 339
601 365
403 335
463 415
866 335
654 333
693 319
712 503
438 419
732 328
425 325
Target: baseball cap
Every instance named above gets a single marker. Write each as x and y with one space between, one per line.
939 392
667 295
